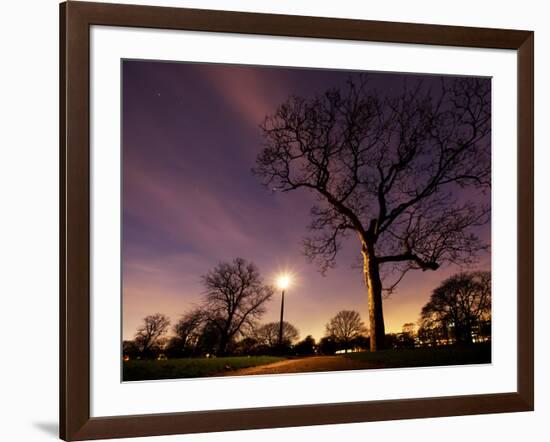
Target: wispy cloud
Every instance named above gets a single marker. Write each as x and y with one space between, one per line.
190 200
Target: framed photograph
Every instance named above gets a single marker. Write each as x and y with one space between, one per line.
272 221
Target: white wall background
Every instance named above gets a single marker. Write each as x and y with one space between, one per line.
29 207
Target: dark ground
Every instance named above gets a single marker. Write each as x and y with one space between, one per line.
145 370
239 366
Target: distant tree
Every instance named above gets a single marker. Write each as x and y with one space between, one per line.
187 332
235 296
409 328
328 345
209 341
405 340
305 347
345 326
399 340
175 348
388 172
483 330
433 331
150 335
130 349
268 334
459 304
426 337
362 342
391 340
247 346
407 337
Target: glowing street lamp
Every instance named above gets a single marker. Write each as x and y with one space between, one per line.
283 282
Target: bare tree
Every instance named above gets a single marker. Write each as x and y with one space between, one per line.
345 327
409 328
268 334
151 333
235 296
386 170
461 303
188 330
306 346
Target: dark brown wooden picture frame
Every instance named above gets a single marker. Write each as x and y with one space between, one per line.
75 21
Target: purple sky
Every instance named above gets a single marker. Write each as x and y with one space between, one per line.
190 138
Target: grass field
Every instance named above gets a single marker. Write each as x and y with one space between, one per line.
425 357
142 370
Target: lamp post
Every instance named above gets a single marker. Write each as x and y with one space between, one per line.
281 320
283 283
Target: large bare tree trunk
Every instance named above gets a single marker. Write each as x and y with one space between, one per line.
374 289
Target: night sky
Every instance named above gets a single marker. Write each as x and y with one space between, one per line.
190 139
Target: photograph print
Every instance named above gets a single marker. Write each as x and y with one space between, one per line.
284 220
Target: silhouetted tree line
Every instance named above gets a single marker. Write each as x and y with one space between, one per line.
458 312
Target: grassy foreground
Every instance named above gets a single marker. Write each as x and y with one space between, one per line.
426 357
142 370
